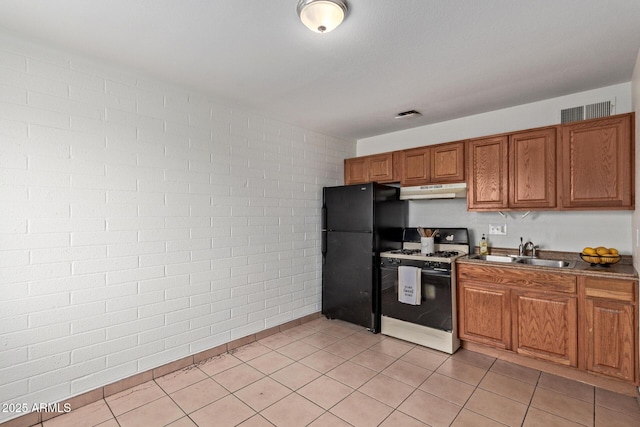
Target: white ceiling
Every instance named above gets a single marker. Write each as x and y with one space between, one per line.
445 58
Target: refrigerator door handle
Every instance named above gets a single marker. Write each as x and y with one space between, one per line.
324 243
324 217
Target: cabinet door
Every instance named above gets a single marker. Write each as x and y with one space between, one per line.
610 338
484 314
381 167
610 325
415 166
546 326
447 163
487 168
356 170
397 166
597 160
532 169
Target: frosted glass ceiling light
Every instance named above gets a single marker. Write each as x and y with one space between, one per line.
322 16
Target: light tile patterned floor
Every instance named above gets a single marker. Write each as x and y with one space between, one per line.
331 373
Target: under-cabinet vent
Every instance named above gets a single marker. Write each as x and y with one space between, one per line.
584 112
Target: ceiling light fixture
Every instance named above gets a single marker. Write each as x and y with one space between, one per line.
322 16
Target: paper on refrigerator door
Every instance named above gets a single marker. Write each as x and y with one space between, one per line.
409 285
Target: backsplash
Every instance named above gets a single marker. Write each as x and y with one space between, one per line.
560 231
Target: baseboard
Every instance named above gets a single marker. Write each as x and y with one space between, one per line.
611 384
75 402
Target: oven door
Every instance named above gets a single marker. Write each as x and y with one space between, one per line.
435 309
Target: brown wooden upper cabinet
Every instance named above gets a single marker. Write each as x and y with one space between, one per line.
416 166
447 163
487 175
434 164
516 171
582 165
533 166
597 164
375 168
356 170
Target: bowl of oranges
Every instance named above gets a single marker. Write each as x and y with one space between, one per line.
600 256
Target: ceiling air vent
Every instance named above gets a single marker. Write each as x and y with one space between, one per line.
408 114
584 112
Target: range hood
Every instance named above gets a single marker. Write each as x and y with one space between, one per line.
436 191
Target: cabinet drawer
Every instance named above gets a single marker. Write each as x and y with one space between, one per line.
521 278
621 290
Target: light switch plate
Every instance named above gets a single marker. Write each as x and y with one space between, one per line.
498 229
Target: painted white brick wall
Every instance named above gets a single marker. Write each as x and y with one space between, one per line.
141 223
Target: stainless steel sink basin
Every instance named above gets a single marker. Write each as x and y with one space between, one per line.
541 262
546 262
495 258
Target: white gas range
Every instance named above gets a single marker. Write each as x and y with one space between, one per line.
431 321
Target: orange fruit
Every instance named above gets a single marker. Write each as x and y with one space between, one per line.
602 251
589 251
613 251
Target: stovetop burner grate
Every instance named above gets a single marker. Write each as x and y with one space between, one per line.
441 254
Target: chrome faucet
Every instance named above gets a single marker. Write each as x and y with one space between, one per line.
522 249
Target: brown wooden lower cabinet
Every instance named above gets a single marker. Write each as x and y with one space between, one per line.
610 326
485 315
546 326
609 330
585 322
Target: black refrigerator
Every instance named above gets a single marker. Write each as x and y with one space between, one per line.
358 222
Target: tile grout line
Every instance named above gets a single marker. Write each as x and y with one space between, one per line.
594 406
535 388
474 389
176 403
111 410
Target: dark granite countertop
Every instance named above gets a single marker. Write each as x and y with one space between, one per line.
622 270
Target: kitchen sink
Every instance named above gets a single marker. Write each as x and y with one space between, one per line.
541 262
546 262
495 258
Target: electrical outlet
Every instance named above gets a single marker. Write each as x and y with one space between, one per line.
498 229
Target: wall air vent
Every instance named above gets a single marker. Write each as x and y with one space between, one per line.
569 115
408 114
600 109
585 112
